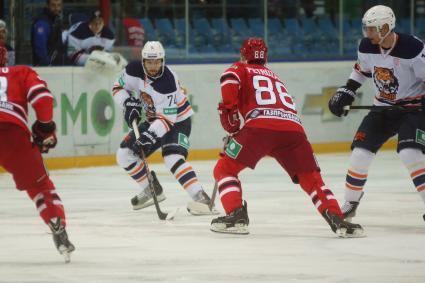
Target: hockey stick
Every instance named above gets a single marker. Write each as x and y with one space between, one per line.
381 108
161 215
214 193
226 141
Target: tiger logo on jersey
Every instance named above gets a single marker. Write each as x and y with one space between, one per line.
386 83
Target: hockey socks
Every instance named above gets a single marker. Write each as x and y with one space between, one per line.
230 192
184 174
414 161
47 202
356 178
137 171
321 196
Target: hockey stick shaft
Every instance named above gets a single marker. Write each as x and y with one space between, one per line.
161 214
376 107
214 193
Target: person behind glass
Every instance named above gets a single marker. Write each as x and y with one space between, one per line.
46 36
3 42
88 36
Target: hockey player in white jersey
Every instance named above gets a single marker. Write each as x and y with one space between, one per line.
396 63
151 86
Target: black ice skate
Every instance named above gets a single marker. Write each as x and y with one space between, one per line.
342 228
60 238
144 199
235 223
200 205
349 209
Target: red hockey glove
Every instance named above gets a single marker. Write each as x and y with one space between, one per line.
229 118
44 136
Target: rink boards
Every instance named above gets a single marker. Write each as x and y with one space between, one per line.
91 126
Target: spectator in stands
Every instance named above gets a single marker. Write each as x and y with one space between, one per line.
3 43
46 36
87 37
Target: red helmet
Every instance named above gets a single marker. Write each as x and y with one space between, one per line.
3 56
254 49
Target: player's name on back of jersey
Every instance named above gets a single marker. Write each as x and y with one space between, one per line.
5 105
263 72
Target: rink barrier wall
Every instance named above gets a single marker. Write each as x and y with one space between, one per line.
90 126
56 163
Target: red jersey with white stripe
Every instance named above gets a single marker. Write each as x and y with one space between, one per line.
260 97
20 86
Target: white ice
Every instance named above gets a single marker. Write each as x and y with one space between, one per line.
289 241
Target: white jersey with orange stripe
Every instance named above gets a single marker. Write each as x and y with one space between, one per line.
171 104
398 73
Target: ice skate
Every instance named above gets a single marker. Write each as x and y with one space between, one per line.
349 209
200 205
145 199
235 223
341 228
60 238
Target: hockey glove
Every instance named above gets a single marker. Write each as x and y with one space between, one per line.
44 136
144 143
229 118
132 110
341 98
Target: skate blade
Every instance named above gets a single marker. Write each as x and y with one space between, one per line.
199 209
150 202
357 233
65 253
238 230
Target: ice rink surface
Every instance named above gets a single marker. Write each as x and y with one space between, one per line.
289 240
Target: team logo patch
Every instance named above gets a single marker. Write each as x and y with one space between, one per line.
233 149
184 141
420 137
386 83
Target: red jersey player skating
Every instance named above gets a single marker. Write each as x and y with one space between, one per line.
19 155
271 128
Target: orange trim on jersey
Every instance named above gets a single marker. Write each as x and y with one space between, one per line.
417 173
184 171
188 183
185 111
159 115
354 188
167 128
357 175
183 102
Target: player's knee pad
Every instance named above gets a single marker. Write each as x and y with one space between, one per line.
125 157
361 158
226 167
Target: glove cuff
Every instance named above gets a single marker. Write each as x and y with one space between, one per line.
48 127
346 90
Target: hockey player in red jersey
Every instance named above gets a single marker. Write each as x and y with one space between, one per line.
271 127
19 86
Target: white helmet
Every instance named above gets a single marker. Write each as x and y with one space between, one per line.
153 50
378 16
